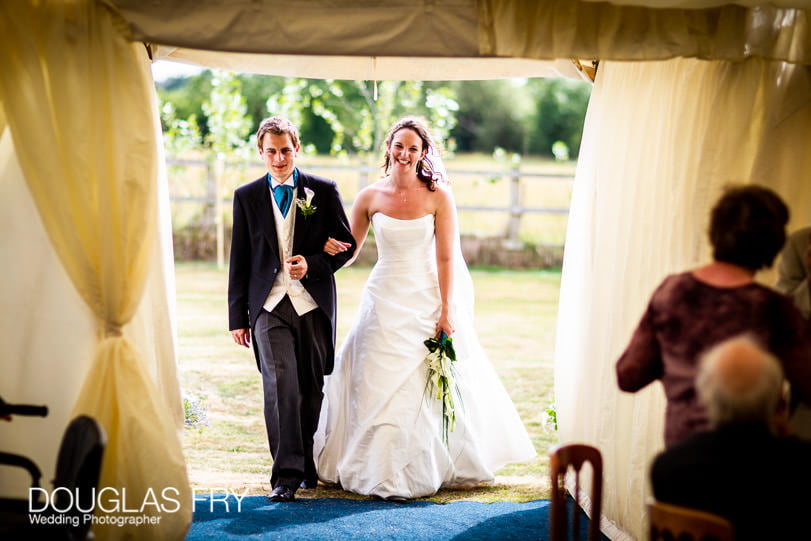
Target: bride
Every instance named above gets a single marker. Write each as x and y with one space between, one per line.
380 431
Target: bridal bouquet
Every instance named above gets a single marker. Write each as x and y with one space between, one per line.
441 379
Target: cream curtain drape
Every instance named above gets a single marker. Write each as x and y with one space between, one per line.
80 109
600 30
660 141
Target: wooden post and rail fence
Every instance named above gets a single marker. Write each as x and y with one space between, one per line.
214 207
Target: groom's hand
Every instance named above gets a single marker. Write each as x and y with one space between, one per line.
242 337
296 267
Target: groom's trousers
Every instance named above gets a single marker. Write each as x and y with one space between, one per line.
292 353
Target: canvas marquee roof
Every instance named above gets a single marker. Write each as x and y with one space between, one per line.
457 39
398 40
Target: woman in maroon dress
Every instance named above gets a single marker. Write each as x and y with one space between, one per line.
694 310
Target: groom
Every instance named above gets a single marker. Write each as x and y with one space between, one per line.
281 286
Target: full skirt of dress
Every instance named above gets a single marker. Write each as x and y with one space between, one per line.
380 431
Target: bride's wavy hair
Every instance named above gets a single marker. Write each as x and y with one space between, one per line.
427 171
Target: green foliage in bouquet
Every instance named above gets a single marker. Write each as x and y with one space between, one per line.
442 379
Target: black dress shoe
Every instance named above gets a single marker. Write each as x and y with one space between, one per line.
309 483
282 494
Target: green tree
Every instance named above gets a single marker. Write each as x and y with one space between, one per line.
493 114
209 110
560 112
186 95
179 136
518 115
358 114
228 124
256 89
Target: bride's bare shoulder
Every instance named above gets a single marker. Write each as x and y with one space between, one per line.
373 189
443 195
369 197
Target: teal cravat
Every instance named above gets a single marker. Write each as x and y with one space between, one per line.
283 194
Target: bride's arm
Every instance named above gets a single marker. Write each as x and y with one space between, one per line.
445 232
358 223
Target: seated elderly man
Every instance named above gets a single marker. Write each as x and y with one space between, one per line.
741 468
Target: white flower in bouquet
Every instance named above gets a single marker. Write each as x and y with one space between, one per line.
441 379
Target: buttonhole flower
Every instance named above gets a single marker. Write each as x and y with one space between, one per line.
306 204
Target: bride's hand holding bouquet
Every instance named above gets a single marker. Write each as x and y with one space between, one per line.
441 382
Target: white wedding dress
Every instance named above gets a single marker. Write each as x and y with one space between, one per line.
380 432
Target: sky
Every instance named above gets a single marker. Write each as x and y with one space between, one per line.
164 69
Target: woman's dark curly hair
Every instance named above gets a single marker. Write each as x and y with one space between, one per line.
748 226
425 168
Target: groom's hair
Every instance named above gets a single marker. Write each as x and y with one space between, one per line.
277 126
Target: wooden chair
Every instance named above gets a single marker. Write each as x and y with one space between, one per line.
561 459
675 522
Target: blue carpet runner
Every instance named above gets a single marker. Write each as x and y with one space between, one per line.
336 518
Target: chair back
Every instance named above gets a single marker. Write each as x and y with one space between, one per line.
78 466
675 522
18 505
561 459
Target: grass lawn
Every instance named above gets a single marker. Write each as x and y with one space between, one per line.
516 313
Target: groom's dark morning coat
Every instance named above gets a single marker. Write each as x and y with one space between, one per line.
255 257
